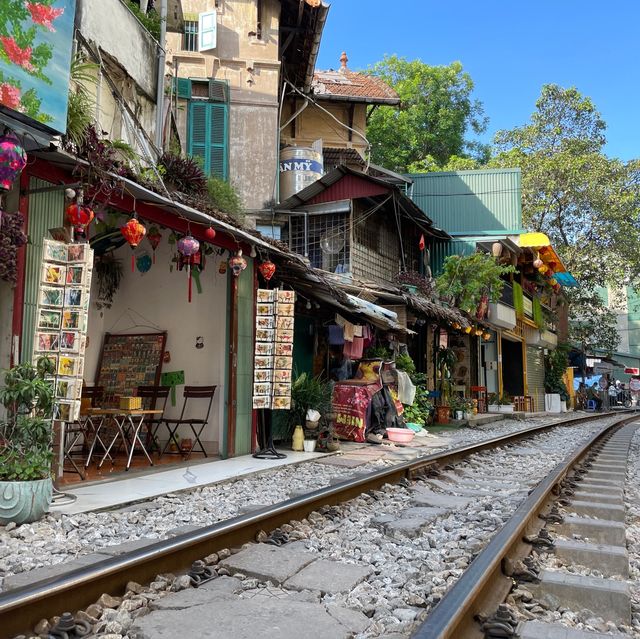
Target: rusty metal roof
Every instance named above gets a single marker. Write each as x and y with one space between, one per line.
349 86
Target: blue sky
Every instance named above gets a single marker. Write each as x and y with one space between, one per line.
510 49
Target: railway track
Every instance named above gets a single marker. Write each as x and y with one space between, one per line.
476 594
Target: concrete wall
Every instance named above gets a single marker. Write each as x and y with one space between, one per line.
161 297
251 67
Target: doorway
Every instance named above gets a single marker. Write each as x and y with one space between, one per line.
512 368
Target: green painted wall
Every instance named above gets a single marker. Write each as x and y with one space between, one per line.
244 366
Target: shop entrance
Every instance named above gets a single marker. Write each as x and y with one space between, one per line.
512 368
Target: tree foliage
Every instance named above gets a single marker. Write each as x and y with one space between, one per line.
436 114
583 200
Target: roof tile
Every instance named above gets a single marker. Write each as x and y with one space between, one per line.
345 84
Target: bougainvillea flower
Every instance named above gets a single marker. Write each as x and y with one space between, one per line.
9 96
17 55
42 14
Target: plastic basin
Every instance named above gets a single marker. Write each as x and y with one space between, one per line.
400 435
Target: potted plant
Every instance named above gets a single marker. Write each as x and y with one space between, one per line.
458 406
556 393
26 438
445 361
420 412
506 406
308 394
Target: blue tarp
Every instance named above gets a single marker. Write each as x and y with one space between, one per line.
565 279
589 381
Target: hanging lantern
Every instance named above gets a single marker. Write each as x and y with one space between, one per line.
237 263
13 159
267 269
155 237
486 336
210 234
79 216
496 249
133 232
538 262
456 326
188 247
478 332
421 243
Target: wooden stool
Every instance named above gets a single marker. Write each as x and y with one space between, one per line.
480 394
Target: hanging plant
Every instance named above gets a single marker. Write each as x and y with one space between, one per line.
11 238
109 272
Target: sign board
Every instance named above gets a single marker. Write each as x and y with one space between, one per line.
35 58
632 371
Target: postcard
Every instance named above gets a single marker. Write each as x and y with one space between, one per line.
68 388
265 295
49 319
73 296
70 341
282 376
263 362
62 411
51 296
285 310
264 334
265 321
68 366
76 253
287 296
261 388
71 320
262 375
284 335
285 362
285 323
264 309
264 348
262 401
75 274
282 390
47 342
53 274
281 403
284 349
54 251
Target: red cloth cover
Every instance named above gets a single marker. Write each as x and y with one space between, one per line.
350 403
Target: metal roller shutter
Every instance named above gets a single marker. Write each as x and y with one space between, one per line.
535 376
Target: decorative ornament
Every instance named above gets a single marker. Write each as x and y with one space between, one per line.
478 332
210 234
133 232
486 336
222 269
237 263
538 262
13 159
496 249
421 243
467 329
553 281
155 237
267 269
189 247
456 326
143 262
543 269
79 216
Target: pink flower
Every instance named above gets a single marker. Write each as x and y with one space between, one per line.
21 57
44 15
9 96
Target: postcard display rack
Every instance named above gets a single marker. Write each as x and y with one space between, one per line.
273 361
61 320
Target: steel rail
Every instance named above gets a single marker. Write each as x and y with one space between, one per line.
22 608
483 586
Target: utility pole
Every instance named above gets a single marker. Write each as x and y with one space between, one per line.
162 56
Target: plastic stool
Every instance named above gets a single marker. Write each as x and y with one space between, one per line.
591 405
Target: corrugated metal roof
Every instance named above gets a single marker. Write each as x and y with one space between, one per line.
440 250
467 202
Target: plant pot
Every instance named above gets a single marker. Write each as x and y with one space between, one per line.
24 501
442 414
552 403
506 408
309 445
458 415
563 406
493 408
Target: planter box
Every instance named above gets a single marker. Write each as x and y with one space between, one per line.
502 316
494 408
552 403
24 501
506 408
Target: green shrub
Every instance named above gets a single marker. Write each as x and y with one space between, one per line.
224 197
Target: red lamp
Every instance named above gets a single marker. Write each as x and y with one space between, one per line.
209 234
133 232
155 237
267 270
79 216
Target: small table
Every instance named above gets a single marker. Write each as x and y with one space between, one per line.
127 421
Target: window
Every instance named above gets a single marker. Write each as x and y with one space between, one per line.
190 36
208 136
269 230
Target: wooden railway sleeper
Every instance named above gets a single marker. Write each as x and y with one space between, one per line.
68 627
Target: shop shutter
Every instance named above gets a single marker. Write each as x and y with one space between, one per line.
208 136
535 376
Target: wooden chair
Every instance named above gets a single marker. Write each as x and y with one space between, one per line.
197 425
153 397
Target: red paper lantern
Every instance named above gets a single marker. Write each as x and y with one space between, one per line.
267 269
209 234
155 237
133 232
421 243
79 216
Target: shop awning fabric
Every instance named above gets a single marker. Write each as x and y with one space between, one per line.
541 243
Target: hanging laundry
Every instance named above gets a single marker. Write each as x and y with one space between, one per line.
348 332
354 349
406 389
336 335
357 330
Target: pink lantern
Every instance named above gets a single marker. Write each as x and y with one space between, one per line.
13 159
237 263
188 246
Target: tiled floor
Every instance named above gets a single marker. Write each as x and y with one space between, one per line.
145 485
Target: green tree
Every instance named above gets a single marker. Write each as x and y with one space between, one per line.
583 200
436 114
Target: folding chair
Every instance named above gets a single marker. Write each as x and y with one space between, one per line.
197 425
153 397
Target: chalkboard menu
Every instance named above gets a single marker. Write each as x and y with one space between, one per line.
129 361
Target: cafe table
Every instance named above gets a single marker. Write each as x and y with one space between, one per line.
129 423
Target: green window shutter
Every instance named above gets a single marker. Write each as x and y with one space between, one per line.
198 133
218 91
538 317
518 299
209 136
182 87
218 140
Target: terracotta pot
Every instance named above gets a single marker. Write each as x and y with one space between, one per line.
442 414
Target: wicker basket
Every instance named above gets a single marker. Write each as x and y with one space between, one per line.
131 403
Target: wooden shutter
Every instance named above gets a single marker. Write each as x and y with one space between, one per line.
198 130
218 91
208 136
207 31
182 87
218 140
